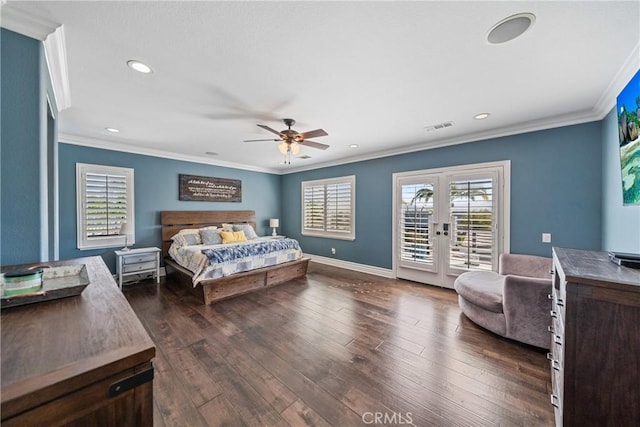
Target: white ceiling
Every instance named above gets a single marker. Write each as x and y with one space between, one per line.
370 73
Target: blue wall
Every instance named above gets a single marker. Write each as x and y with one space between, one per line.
555 187
20 188
620 224
156 189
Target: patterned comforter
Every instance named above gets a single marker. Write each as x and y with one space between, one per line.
215 261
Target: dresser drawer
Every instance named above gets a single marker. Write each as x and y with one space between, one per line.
132 268
557 398
138 258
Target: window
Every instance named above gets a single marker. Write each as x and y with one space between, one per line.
328 208
105 206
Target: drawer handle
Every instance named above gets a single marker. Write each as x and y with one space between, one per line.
560 302
557 339
553 314
554 401
554 363
130 382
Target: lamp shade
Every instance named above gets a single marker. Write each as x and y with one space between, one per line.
124 228
274 222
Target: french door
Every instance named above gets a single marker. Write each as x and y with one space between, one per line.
450 220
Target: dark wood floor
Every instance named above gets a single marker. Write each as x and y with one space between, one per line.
336 348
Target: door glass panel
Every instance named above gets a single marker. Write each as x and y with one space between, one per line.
416 213
472 216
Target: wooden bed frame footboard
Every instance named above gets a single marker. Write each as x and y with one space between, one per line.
212 290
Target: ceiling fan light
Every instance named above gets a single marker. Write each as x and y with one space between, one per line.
295 148
283 147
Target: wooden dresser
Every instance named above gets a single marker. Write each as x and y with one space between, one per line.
81 360
595 340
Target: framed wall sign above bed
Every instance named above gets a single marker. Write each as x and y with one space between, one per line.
209 189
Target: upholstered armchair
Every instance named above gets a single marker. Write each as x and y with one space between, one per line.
512 303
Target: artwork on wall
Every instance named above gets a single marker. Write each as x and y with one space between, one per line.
208 189
628 108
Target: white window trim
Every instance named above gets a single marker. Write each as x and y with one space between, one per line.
351 179
85 243
504 206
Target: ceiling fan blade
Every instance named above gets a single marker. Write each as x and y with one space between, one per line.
313 133
269 129
256 140
313 144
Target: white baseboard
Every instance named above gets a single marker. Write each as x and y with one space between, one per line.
362 268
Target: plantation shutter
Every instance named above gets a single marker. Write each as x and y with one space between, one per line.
314 212
338 208
473 218
415 215
105 204
328 208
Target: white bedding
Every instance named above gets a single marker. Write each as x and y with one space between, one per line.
193 259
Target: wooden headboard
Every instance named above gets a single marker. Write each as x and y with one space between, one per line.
174 221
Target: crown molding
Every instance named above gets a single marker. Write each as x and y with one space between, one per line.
607 100
125 148
55 52
24 23
579 117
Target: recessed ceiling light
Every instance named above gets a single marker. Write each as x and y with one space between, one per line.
354 146
139 66
112 130
481 116
510 28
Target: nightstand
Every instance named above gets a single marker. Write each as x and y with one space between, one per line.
137 261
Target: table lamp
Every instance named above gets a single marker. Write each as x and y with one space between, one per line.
274 223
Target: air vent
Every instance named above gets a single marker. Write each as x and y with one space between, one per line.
439 126
305 157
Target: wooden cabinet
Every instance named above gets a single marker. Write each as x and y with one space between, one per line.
137 261
81 360
595 340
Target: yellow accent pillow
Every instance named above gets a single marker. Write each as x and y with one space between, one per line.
233 236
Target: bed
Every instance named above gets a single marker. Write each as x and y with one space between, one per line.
214 288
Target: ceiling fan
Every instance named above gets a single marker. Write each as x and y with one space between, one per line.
291 139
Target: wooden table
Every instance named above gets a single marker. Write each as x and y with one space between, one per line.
81 360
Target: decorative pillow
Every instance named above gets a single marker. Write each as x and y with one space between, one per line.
233 236
227 227
248 230
187 237
210 236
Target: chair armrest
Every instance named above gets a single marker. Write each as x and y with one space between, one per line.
525 265
526 308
